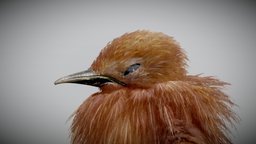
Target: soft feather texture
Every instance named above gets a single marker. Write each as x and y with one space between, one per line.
161 104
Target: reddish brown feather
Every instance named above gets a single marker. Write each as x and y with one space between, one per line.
161 103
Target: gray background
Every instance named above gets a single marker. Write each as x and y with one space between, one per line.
42 41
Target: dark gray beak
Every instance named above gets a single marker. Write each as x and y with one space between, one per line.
88 77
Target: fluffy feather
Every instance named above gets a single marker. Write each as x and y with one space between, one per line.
193 110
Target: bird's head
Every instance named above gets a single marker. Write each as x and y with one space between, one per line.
137 59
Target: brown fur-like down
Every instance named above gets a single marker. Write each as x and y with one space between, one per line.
160 104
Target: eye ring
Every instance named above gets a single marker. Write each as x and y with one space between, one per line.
131 69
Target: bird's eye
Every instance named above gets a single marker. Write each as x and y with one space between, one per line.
132 68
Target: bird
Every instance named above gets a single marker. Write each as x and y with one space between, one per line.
146 96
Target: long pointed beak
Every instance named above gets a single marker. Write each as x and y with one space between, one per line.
88 77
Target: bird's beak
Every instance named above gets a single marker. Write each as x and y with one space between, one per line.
88 77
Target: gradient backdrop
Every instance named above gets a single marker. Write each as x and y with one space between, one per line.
42 41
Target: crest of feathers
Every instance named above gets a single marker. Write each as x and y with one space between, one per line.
191 109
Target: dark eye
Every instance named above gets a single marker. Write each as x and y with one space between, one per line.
131 69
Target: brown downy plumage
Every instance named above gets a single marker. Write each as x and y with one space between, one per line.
146 97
